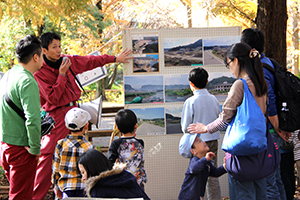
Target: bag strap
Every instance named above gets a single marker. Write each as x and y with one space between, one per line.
11 103
84 92
268 67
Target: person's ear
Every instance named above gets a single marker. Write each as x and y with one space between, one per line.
45 51
192 84
86 127
35 57
193 152
236 61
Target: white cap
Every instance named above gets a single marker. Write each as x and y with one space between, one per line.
76 118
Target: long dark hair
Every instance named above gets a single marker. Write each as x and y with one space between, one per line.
252 66
94 162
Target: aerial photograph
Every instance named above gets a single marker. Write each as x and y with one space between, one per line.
146 63
183 52
144 44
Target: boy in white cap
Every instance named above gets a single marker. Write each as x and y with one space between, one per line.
65 176
200 167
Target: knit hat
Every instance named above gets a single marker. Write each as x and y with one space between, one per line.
185 144
76 118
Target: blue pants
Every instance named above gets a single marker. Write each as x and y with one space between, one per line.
275 187
247 190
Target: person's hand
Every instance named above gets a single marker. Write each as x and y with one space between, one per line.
197 128
283 134
209 156
66 63
224 164
57 192
37 155
123 57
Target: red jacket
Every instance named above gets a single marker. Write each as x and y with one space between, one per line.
58 90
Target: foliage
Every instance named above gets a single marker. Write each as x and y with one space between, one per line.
233 12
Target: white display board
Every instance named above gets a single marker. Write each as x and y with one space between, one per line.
163 59
156 81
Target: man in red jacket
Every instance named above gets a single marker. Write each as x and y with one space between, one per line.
58 94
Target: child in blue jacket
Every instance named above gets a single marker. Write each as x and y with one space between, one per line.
200 167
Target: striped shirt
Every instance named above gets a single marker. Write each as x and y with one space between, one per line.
64 169
232 102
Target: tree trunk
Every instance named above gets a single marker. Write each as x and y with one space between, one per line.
296 37
272 21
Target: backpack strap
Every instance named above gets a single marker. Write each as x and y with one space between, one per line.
268 67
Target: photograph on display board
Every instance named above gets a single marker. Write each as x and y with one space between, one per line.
145 63
151 121
177 88
214 49
183 52
143 89
144 43
173 120
219 84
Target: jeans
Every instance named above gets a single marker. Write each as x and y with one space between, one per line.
247 190
275 187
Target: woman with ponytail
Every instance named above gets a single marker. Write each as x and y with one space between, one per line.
244 63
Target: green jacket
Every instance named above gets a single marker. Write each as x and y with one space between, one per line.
24 92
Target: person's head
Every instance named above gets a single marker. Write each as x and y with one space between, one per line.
243 60
198 77
51 46
255 38
29 49
126 121
77 120
92 163
191 145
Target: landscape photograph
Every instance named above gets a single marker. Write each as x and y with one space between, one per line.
150 121
215 48
143 89
183 52
146 63
177 88
173 119
144 44
219 84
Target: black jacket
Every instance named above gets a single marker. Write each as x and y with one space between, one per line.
116 183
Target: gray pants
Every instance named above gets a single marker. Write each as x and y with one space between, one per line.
213 190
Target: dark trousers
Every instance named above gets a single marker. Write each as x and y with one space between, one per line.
287 174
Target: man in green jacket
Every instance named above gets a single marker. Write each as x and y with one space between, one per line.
20 139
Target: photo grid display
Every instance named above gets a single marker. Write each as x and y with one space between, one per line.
156 83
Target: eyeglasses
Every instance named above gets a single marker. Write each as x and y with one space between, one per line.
227 64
